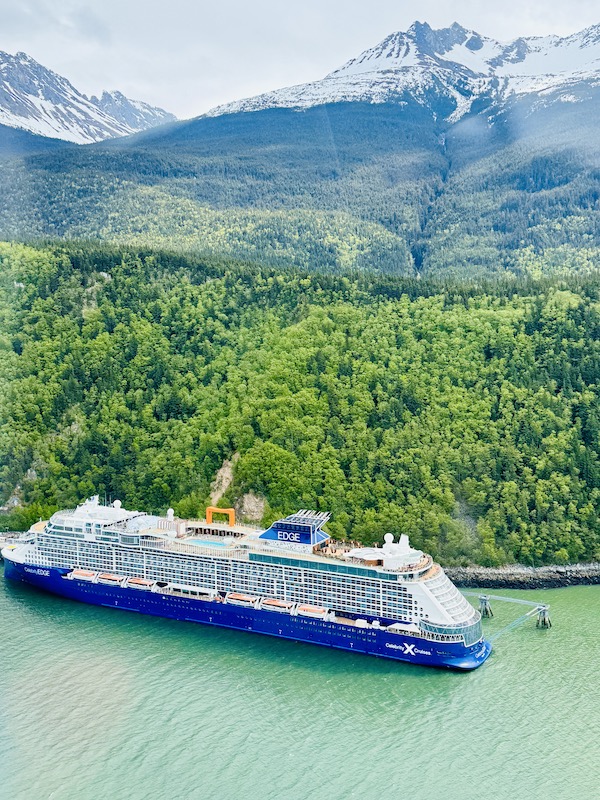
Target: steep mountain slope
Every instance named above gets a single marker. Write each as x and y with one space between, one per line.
337 187
395 403
40 101
522 194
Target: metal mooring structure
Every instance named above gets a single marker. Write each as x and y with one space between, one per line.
541 610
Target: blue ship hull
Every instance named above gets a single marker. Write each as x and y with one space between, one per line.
399 647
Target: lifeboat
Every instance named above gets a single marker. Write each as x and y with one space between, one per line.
111 580
241 599
140 583
316 612
83 575
277 605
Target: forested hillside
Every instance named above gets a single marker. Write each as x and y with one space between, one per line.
331 189
465 416
522 196
389 187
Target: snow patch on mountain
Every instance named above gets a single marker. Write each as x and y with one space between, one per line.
134 114
39 100
455 63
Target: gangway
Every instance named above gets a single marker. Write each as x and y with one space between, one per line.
542 610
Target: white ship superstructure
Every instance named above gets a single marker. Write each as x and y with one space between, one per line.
293 561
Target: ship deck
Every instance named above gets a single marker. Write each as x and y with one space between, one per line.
240 541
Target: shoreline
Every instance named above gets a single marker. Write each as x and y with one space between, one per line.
517 576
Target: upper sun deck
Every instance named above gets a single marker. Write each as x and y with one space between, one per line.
93 512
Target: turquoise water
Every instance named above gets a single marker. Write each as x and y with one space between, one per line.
98 704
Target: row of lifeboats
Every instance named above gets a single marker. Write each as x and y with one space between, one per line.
110 580
195 592
282 606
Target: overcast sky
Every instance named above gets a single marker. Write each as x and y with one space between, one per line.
190 55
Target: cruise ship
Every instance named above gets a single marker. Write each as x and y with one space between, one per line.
290 581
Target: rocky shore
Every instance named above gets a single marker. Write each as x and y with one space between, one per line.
517 576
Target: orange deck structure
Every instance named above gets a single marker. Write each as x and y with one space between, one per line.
214 510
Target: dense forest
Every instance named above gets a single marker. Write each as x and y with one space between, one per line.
467 416
385 187
332 189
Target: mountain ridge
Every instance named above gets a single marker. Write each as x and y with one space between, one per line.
36 99
457 62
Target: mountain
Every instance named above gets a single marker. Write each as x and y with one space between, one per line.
333 188
449 70
133 114
437 152
35 99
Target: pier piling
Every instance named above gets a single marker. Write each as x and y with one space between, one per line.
543 617
485 608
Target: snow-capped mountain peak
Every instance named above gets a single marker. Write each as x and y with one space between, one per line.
421 46
134 114
36 99
454 64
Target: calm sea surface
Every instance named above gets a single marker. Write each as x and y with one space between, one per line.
103 704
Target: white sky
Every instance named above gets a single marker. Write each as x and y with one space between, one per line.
190 55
